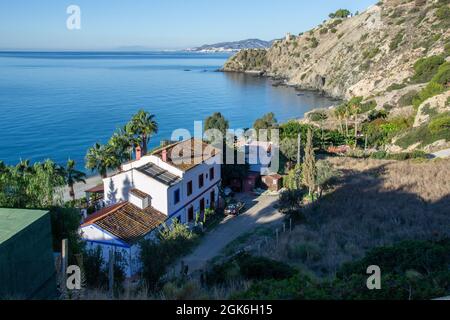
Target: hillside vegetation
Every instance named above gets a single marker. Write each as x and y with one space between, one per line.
394 57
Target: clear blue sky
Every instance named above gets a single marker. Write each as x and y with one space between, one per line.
158 24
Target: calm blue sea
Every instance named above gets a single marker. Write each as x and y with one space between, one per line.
56 105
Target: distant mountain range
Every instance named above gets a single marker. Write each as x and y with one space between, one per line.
233 46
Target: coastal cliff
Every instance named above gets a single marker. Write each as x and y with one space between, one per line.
360 55
386 54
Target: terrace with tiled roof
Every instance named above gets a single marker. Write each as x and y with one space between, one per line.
126 221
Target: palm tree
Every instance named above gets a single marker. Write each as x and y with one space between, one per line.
24 167
101 158
143 125
72 176
122 143
3 167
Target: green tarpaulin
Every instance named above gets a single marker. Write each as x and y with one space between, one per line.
27 269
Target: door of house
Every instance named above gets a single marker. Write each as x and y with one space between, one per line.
213 199
190 214
202 205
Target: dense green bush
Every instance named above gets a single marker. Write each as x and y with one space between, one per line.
157 254
377 114
399 156
304 252
429 91
426 68
317 116
422 134
370 53
409 270
443 13
447 49
96 270
260 268
341 13
442 76
246 266
380 131
299 287
65 223
367 106
441 123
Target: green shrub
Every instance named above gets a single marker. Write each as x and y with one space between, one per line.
96 271
377 114
157 255
317 116
379 155
426 68
299 287
429 91
368 106
447 49
422 134
379 131
341 13
443 74
440 123
304 252
370 53
396 41
314 42
260 268
409 270
443 13
407 98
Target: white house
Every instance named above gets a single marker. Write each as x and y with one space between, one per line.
175 182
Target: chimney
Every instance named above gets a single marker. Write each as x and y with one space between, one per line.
164 155
138 153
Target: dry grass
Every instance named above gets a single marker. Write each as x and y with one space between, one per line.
375 203
174 290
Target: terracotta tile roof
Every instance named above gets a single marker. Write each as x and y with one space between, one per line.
97 189
129 223
139 193
101 213
192 159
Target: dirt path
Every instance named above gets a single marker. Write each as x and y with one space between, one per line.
260 211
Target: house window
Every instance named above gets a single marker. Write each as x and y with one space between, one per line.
211 174
200 181
189 188
176 196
